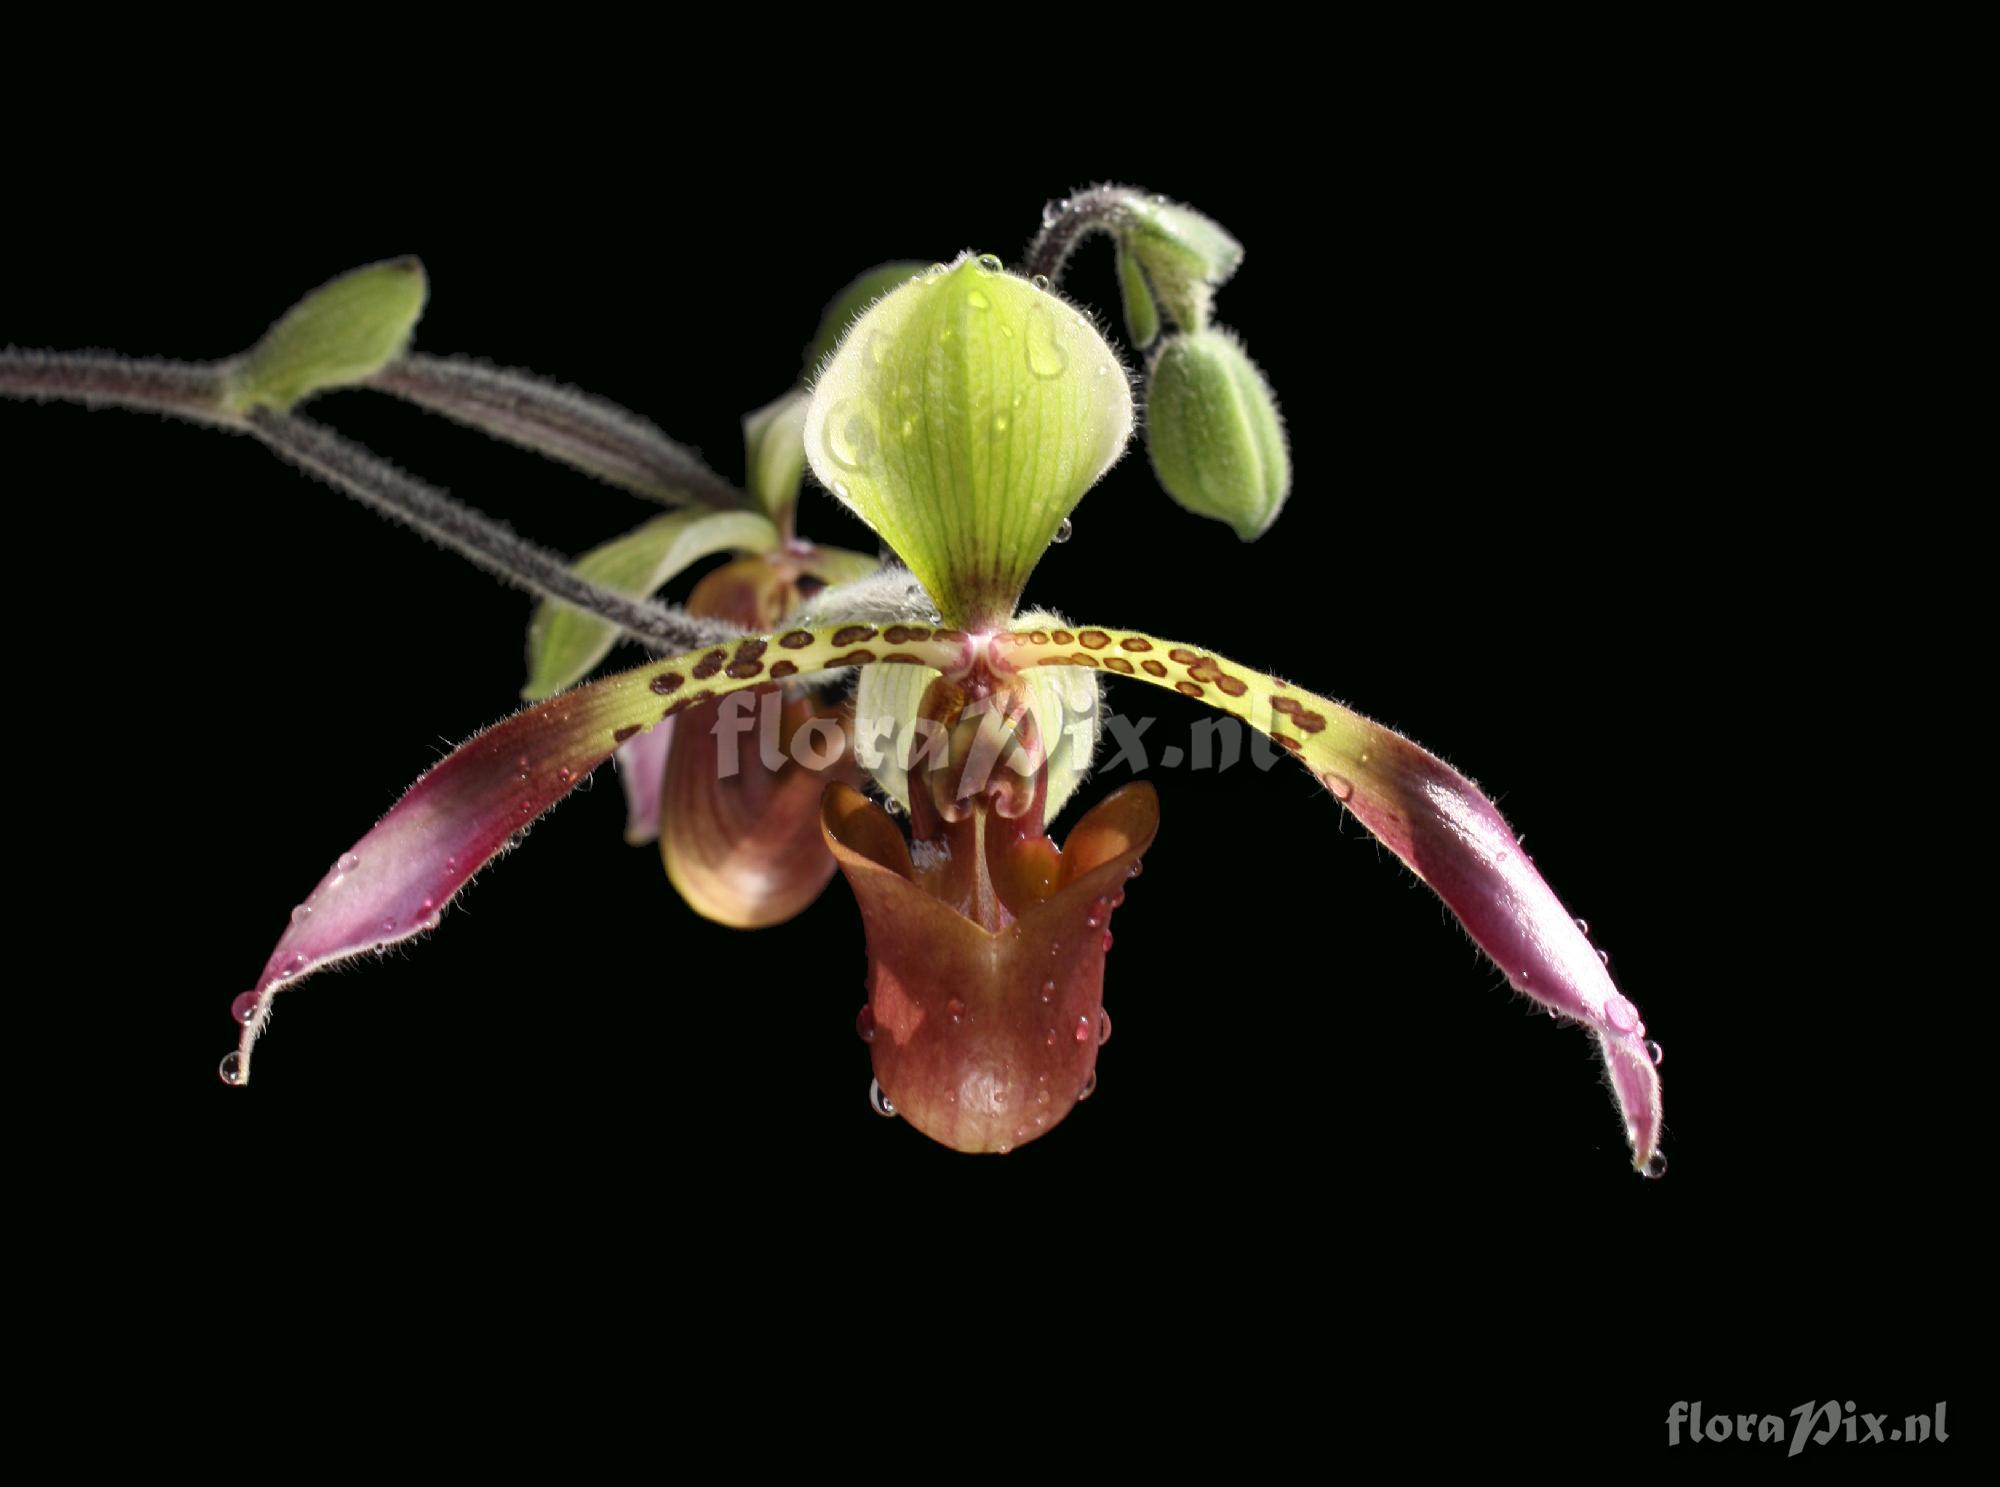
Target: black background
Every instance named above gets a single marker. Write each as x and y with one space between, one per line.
1546 520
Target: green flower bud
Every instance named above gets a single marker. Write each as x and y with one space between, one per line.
1213 431
1185 255
962 418
344 332
775 452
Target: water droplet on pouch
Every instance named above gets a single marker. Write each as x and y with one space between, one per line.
1656 1165
244 1008
879 1102
301 913
1040 281
977 300
864 1023
989 263
1063 532
1083 1030
1048 990
955 1010
348 862
231 1068
1656 1053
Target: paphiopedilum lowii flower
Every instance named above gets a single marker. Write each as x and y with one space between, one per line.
963 417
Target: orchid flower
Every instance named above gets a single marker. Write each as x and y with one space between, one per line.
962 416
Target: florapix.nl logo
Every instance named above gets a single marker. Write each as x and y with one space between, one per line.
1818 1423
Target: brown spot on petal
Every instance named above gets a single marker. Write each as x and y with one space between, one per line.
1118 664
619 735
1062 637
1307 720
903 634
795 640
1083 659
1185 656
849 634
1040 637
749 650
905 658
744 670
1093 640
667 681
784 668
853 658
948 635
1135 643
709 664
1190 689
1289 742
1154 668
1234 686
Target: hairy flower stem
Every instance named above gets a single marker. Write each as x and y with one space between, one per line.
1095 210
574 428
478 539
183 389
196 392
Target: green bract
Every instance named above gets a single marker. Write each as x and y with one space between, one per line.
963 417
1184 254
1213 431
1142 316
344 332
775 453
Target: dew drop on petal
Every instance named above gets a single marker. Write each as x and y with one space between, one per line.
878 1101
1049 990
1621 1014
955 1009
864 1023
231 1068
989 263
1046 357
1107 939
1584 925
1656 1053
301 913
1605 956
1103 1028
1064 532
1656 1165
1040 281
244 1008
1083 1030
1089 1086
348 862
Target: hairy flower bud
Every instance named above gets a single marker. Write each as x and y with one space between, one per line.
1213 431
1185 255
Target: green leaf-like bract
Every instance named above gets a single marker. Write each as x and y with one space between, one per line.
344 332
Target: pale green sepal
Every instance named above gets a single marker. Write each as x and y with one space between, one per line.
1185 255
565 643
774 449
1142 316
847 306
962 418
344 332
1213 431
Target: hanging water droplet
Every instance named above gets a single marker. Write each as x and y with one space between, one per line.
989 263
231 1068
1584 925
244 1008
1135 869
955 1010
1046 357
864 1023
1004 1147
301 913
878 1101
1656 1165
1103 1028
1064 532
1040 281
1656 1053
1089 1086
348 862
1605 956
